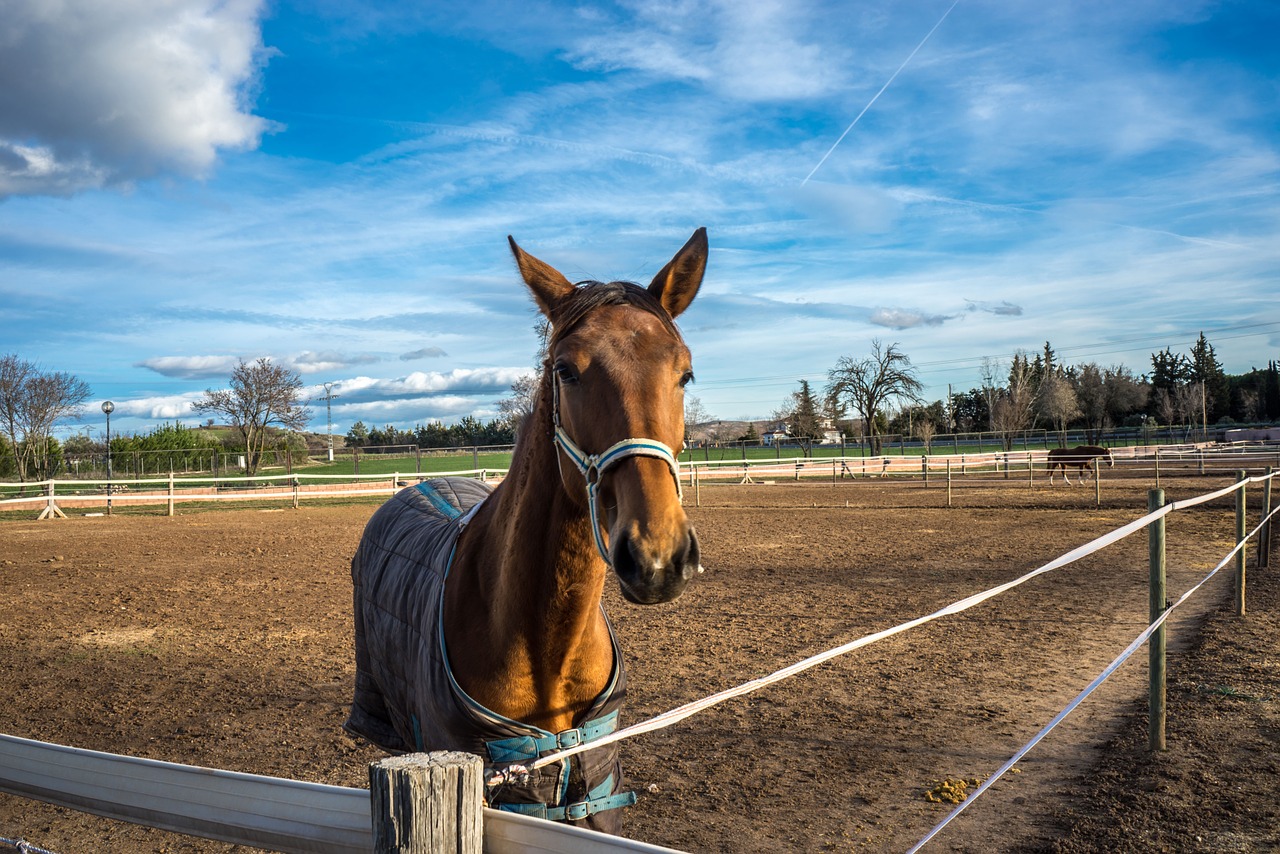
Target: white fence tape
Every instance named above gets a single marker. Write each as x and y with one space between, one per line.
1102 677
678 714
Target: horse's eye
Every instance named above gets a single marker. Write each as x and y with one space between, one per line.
686 378
565 373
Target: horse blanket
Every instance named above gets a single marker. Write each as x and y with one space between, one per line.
406 696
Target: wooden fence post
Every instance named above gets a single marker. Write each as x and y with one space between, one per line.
51 509
1157 468
427 803
924 464
1031 470
1097 484
948 483
170 491
1157 605
697 485
1240 555
1264 536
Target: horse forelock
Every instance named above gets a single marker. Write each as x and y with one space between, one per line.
590 295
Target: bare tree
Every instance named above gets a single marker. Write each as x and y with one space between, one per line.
869 384
1189 401
926 430
1058 403
524 397
32 401
13 383
261 395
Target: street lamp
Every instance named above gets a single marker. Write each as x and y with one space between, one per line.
108 407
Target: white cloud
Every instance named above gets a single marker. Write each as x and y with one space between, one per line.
95 94
191 367
459 381
308 362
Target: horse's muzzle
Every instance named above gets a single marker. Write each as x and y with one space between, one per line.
647 577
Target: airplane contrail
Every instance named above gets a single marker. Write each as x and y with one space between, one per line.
878 94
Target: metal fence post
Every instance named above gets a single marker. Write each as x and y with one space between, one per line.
1156 645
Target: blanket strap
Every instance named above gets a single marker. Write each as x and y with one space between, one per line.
526 748
598 800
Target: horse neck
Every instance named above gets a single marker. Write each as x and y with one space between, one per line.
527 582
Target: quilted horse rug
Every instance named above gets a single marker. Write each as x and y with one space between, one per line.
406 696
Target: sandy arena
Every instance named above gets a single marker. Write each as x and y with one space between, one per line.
222 638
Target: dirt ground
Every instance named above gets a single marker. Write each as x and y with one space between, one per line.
222 638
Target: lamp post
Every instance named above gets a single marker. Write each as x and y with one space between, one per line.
108 407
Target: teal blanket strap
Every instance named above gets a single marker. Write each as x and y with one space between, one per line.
438 501
598 800
526 748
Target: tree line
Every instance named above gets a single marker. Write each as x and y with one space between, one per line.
468 431
882 390
1033 392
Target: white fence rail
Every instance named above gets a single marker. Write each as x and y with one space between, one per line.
247 809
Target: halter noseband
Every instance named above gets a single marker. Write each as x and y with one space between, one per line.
593 466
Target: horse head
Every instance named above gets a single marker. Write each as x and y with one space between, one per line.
616 369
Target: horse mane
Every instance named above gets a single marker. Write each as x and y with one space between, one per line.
587 296
590 295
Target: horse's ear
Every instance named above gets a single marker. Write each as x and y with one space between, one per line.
677 284
546 282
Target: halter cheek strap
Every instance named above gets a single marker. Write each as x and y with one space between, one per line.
593 466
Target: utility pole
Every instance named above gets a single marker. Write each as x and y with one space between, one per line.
329 397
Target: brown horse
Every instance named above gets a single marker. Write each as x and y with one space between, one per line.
1083 457
517 644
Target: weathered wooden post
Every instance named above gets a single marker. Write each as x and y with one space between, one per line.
697 484
170 491
427 803
1240 555
948 483
1031 470
1157 468
1097 484
1156 645
924 466
295 493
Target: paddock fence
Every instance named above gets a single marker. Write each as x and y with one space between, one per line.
292 815
1014 467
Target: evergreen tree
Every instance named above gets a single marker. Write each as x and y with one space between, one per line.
804 418
1271 393
1206 369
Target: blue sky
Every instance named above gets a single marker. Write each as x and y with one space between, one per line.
330 184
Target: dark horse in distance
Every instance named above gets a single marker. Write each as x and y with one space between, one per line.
1083 457
479 625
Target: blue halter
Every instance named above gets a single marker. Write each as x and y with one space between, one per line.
593 466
